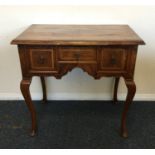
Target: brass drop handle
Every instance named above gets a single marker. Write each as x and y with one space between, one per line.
41 60
113 60
77 56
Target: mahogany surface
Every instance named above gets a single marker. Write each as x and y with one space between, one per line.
100 50
78 35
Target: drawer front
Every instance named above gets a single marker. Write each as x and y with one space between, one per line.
113 59
77 54
42 59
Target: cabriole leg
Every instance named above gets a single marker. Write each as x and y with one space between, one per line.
131 88
43 89
24 86
116 89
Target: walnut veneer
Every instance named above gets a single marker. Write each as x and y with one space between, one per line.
100 50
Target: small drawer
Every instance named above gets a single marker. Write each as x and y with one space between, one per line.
77 54
113 58
41 59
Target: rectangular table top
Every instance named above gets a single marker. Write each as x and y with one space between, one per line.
43 34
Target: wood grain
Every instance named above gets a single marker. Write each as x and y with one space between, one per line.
78 35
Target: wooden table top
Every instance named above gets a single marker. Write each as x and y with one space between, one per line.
43 34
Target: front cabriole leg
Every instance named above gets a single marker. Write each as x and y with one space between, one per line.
24 86
131 89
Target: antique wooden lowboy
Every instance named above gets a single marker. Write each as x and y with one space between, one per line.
100 50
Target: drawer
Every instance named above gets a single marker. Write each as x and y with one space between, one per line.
113 58
42 59
77 54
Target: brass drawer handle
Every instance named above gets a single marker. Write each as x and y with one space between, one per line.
41 60
77 56
113 60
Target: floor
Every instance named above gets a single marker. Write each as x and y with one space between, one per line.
77 124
